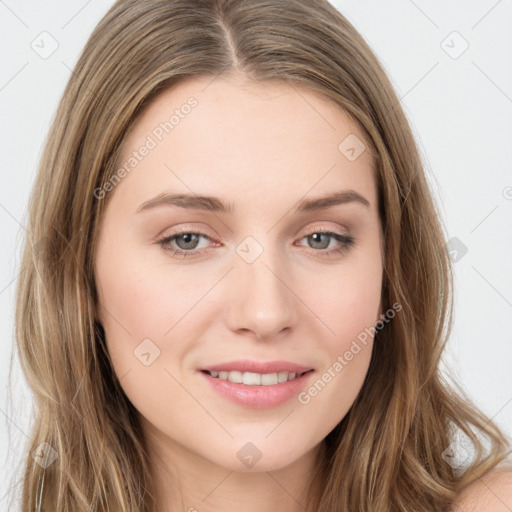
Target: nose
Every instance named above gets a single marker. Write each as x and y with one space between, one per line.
262 299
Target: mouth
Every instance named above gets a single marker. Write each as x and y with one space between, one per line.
255 390
255 379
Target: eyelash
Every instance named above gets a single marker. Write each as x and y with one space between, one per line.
346 243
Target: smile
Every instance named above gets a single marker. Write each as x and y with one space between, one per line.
255 379
256 390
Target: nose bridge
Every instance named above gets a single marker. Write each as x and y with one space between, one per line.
263 301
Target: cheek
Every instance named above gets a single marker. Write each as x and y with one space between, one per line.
148 314
144 292
347 301
139 300
348 306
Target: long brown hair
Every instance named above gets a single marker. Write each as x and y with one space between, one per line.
389 452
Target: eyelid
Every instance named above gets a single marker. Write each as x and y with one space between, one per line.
315 228
345 242
189 228
319 228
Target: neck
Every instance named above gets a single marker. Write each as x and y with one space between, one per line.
184 480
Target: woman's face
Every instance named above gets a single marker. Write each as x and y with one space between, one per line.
254 281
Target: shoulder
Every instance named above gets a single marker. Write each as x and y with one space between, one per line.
492 492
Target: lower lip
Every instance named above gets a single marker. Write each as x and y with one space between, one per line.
258 397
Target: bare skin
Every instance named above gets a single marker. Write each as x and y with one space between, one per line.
263 148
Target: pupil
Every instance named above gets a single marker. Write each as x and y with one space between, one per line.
187 239
317 239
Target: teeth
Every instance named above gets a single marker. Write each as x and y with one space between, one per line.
249 378
255 379
269 379
282 376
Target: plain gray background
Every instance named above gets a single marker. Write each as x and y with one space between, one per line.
452 68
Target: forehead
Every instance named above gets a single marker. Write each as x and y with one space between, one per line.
216 135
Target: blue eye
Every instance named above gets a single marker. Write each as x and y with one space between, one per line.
188 240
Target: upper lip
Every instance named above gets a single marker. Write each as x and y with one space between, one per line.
246 365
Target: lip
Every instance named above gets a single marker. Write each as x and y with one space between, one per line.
258 397
247 365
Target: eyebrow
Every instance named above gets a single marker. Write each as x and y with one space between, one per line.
214 204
